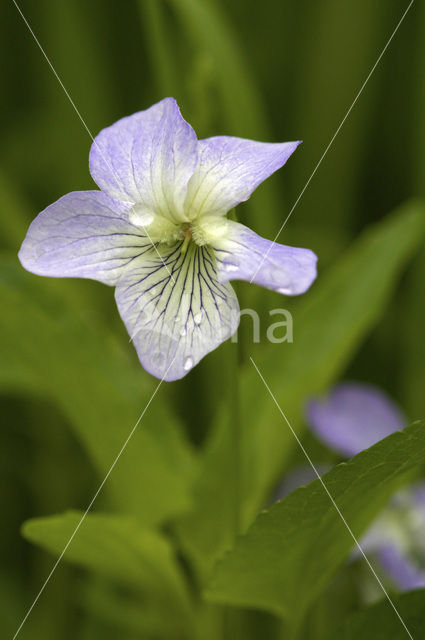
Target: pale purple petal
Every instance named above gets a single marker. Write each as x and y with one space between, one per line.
353 417
147 158
85 234
175 310
241 254
418 495
404 571
397 535
228 171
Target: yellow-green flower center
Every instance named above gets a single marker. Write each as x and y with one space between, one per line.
202 230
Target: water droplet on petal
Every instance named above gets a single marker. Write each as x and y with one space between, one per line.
285 290
139 217
188 363
177 319
183 331
197 318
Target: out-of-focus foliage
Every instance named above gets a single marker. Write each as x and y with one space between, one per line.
120 549
376 623
71 388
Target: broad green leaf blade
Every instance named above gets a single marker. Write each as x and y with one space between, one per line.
123 551
292 550
379 621
330 322
49 347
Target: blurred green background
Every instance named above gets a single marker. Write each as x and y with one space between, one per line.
273 71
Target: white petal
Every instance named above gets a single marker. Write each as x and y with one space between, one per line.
175 310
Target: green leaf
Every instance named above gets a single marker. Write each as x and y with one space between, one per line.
380 622
292 550
330 322
49 347
120 549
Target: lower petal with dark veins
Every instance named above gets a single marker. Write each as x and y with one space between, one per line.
175 309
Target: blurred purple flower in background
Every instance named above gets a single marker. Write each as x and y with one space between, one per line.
353 417
158 232
350 419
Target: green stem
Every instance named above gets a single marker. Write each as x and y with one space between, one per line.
235 448
235 418
241 333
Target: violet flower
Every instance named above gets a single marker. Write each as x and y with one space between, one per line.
158 232
352 418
